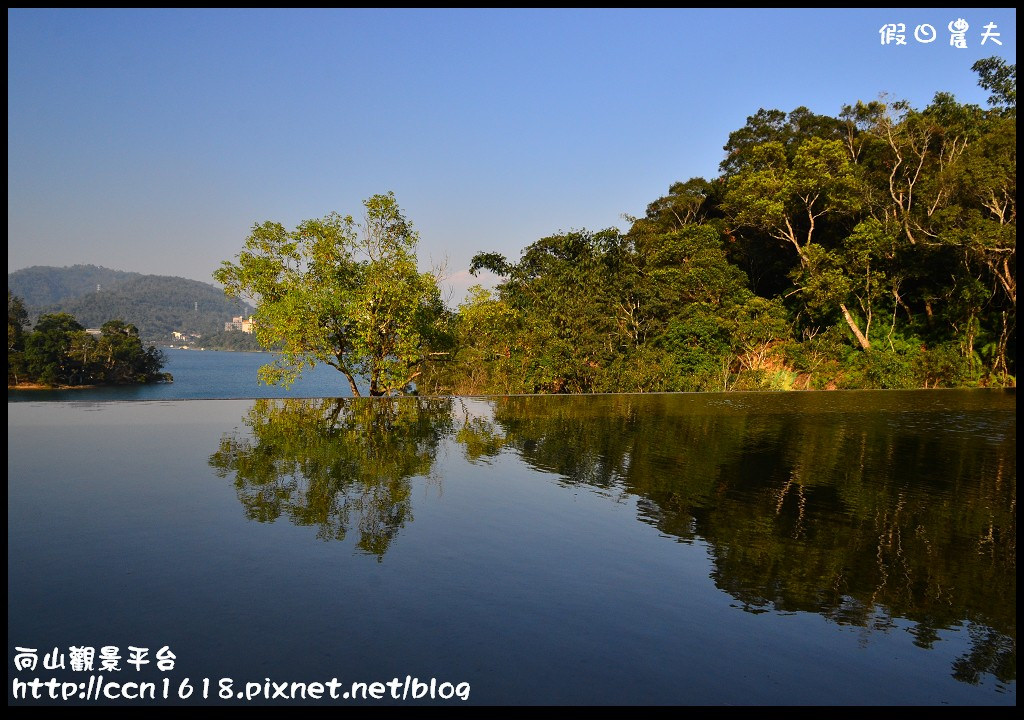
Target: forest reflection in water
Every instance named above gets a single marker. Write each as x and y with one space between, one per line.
861 507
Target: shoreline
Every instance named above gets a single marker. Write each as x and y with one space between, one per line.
37 386
206 349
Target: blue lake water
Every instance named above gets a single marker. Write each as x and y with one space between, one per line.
847 548
205 374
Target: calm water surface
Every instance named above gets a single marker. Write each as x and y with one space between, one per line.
791 548
204 374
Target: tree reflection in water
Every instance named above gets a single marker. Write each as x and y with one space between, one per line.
335 463
860 516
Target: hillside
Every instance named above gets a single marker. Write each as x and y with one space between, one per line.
156 304
42 286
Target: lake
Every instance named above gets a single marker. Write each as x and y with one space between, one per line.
833 548
204 374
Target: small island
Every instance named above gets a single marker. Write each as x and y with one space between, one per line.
58 352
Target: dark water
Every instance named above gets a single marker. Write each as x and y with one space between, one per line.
204 374
791 548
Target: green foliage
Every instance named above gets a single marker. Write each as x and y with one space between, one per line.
789 197
122 358
601 312
945 366
701 347
487 334
492 261
17 320
231 340
774 126
59 351
885 368
343 293
687 203
559 298
642 369
48 351
1000 78
873 249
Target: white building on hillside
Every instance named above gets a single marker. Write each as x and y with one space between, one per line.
239 322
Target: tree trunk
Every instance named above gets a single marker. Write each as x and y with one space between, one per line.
864 342
352 384
1001 365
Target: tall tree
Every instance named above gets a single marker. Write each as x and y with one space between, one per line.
341 292
48 350
1000 78
122 356
560 290
790 197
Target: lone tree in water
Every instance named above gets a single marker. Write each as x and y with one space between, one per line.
340 292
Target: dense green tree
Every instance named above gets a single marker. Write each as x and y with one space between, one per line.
490 346
687 203
985 232
790 198
59 351
664 272
231 340
660 308
17 320
789 193
565 308
774 126
1000 78
343 293
122 357
48 350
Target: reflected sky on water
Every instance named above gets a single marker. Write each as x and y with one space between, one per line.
791 548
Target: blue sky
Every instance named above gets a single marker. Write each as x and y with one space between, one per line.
152 140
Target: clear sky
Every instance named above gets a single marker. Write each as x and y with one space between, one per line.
152 140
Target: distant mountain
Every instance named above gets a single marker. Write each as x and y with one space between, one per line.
42 286
156 304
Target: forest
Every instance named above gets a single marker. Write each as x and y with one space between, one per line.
871 249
